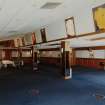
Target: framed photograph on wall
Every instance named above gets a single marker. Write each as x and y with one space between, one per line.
70 27
18 42
33 38
43 34
23 41
99 18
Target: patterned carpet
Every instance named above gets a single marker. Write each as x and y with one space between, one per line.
47 87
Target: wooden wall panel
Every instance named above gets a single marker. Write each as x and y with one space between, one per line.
50 60
72 58
57 60
27 60
93 63
7 54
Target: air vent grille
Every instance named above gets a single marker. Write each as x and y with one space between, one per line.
12 31
51 5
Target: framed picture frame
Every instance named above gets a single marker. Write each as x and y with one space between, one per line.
70 27
33 38
43 34
99 18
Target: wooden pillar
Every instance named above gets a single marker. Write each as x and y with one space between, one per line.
7 54
66 67
19 53
35 59
32 49
19 58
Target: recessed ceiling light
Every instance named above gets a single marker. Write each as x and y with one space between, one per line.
51 5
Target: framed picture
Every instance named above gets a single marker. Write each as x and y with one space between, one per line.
70 27
99 18
23 41
33 38
18 42
43 35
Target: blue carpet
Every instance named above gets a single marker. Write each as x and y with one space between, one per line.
48 88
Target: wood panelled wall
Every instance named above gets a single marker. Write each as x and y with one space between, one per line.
26 60
50 56
8 56
91 62
57 60
72 58
98 61
50 60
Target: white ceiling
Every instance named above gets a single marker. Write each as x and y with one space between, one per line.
22 16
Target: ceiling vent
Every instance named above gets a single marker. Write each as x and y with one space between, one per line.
51 5
12 32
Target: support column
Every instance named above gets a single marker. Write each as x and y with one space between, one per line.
7 54
19 58
66 66
35 59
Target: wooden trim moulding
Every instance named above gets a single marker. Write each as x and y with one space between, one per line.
77 36
50 49
93 48
68 37
91 33
91 58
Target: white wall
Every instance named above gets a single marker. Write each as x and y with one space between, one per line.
52 54
28 39
82 54
84 22
84 19
85 54
56 30
26 54
99 54
38 36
